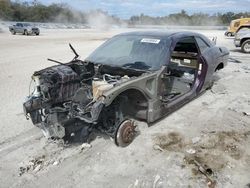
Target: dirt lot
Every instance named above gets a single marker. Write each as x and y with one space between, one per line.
213 130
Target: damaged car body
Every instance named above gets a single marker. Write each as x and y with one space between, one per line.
133 76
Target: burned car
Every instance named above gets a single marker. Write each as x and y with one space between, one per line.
132 76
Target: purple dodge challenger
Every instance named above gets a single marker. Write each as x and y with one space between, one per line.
133 76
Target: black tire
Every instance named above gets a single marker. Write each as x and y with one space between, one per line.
229 34
37 34
245 47
13 32
25 32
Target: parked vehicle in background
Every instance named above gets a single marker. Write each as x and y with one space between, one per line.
235 25
242 39
24 28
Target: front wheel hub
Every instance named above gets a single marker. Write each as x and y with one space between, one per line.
125 133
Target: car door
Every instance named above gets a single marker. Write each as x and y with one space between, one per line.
211 55
21 28
18 28
187 55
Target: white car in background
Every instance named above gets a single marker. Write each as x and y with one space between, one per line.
24 28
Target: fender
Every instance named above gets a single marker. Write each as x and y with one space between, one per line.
148 81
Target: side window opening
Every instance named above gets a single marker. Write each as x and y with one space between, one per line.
202 44
182 68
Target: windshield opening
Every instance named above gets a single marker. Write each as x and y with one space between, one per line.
138 52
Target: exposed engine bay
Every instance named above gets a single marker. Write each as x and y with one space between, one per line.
67 98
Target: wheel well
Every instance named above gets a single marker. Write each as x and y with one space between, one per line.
129 104
243 40
133 103
219 67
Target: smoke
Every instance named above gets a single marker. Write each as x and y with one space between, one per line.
71 16
97 19
2 27
100 20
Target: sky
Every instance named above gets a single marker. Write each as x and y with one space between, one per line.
127 8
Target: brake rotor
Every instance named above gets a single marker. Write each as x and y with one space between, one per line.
125 133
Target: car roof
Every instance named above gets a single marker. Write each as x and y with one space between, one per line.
160 34
167 35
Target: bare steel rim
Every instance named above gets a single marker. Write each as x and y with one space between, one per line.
247 47
125 133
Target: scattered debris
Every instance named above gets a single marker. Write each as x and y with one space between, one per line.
157 178
157 147
35 165
195 140
191 151
233 60
172 141
202 151
85 146
204 170
38 167
246 113
136 183
56 163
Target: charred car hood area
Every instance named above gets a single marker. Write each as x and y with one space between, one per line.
68 99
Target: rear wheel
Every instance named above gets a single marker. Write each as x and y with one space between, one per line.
25 32
245 47
13 32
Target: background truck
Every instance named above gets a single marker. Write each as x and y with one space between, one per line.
242 39
235 25
24 28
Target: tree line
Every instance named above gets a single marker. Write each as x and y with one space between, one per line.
37 12
182 18
58 12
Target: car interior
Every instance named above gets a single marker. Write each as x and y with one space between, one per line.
182 68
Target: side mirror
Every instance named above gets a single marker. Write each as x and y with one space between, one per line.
213 39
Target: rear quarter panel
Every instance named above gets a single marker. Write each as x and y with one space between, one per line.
214 56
